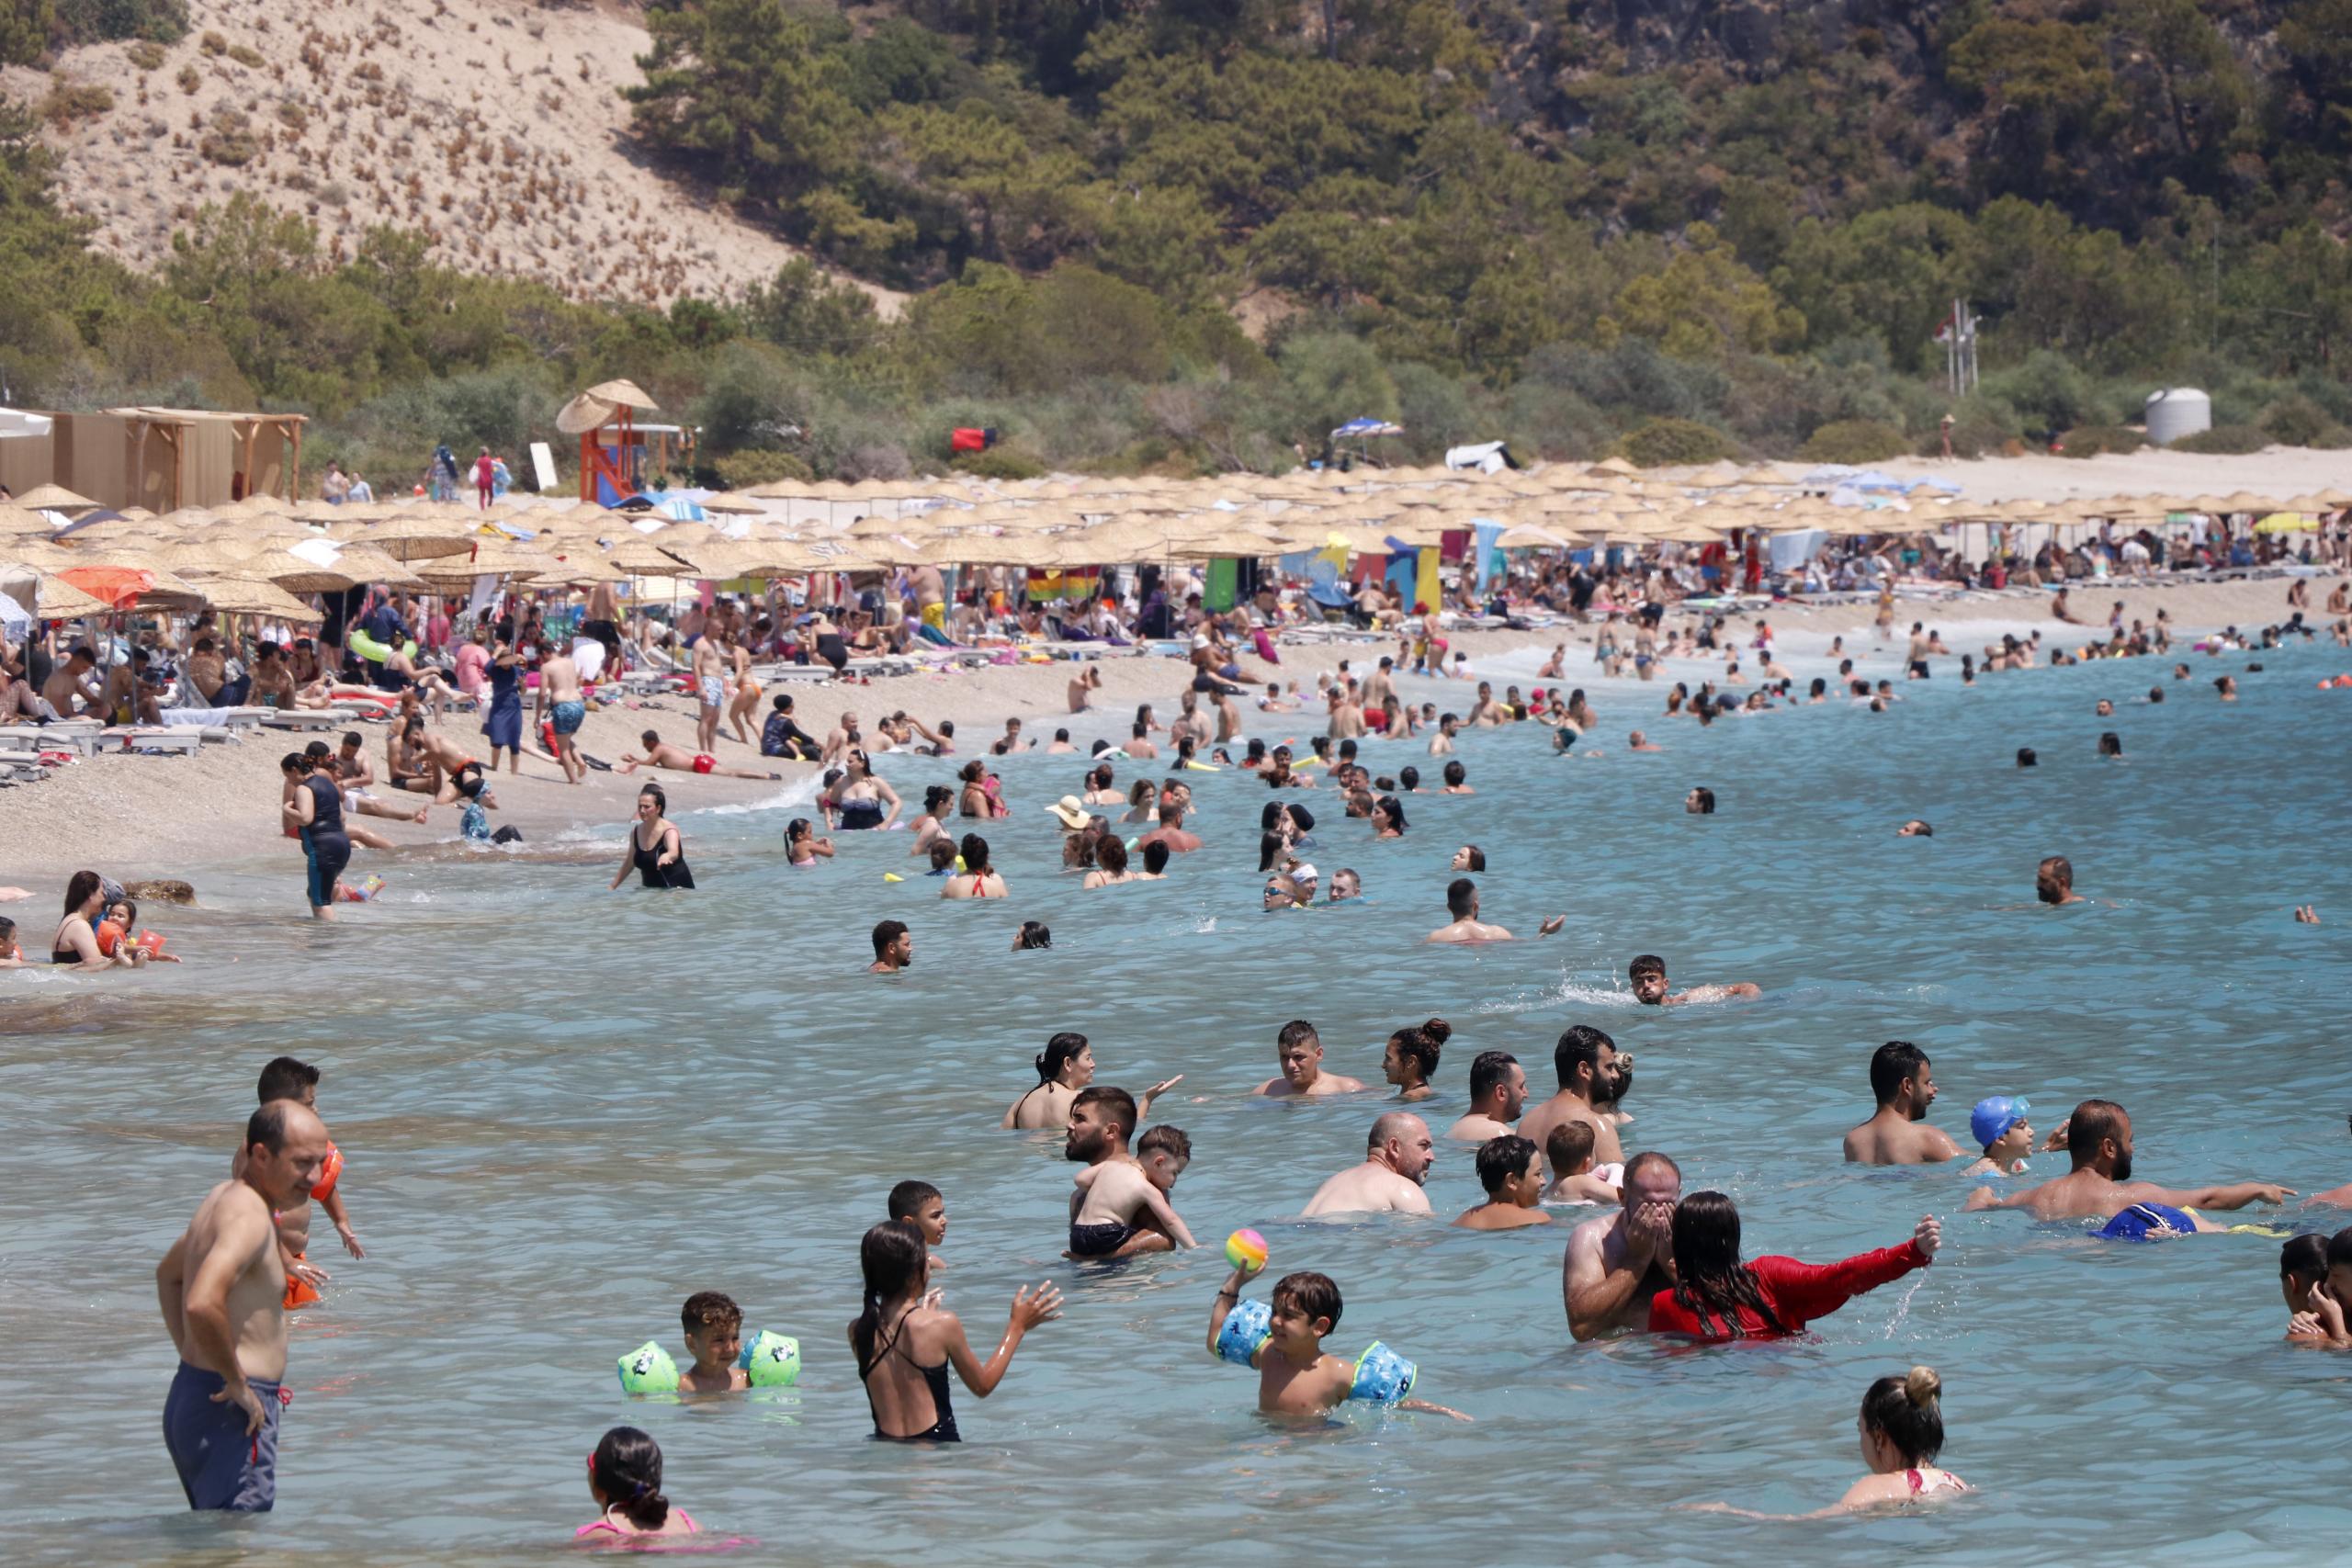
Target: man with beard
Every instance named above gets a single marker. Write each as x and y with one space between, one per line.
1616 1264
1113 1192
894 948
1396 1161
2097 1138
1648 974
1585 1059
223 1289
1897 1132
1497 1094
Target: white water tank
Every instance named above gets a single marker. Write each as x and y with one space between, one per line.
2176 411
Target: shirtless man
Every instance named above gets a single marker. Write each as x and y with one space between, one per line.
1380 685
840 738
1462 903
1615 1264
1497 1094
1648 974
562 702
2053 881
206 669
1485 713
1171 830
222 1290
660 753
1898 1133
129 690
1919 654
710 687
1585 1060
453 763
273 682
69 689
1396 1160
1300 1051
1442 743
601 621
1114 1197
1010 742
2097 1139
1347 713
355 772
1640 742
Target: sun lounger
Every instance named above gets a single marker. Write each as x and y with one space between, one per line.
179 739
309 718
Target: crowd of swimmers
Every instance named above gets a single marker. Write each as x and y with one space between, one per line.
1650 1258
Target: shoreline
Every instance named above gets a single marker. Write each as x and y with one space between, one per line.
136 818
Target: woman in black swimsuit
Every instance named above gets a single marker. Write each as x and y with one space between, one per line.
865 802
316 811
904 1341
76 945
656 851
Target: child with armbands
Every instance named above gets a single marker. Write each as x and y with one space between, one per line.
920 1206
1283 1341
714 1326
122 923
625 1477
285 1077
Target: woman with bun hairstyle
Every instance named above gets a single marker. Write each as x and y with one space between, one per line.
1716 1296
1902 1428
1064 1066
1410 1060
625 1477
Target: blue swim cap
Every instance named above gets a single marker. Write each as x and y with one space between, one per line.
1993 1118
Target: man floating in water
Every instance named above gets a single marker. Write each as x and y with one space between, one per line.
2097 1138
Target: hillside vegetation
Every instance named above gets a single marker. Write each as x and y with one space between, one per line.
1673 227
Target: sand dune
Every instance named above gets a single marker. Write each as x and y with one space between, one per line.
494 127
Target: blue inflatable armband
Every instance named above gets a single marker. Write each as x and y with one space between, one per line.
1382 1376
1246 1328
648 1369
772 1360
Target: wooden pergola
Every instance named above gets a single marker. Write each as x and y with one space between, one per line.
171 427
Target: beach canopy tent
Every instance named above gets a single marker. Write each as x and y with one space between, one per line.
1362 428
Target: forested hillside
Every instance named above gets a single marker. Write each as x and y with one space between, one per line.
1193 234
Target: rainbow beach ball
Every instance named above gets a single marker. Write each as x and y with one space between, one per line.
1246 1249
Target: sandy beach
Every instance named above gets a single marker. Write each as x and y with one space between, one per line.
175 816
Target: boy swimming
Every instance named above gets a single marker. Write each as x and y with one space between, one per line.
714 1326
1568 1149
1514 1178
2000 1126
1294 1376
919 1205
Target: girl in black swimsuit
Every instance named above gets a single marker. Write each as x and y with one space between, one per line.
900 1321
652 840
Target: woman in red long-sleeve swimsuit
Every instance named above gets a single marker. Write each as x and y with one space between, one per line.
1716 1296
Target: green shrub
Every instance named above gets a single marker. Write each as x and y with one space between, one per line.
2296 420
2090 440
1674 443
998 463
247 55
96 21
189 78
212 43
68 101
759 466
230 138
147 54
1856 440
2224 440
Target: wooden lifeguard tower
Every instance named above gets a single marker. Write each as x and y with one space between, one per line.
613 444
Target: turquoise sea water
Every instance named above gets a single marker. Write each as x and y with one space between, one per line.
564 1110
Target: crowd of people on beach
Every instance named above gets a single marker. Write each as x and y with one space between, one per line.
1651 1258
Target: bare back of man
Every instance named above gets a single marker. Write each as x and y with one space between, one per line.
1565 1107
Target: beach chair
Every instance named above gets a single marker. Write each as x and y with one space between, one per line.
309 718
176 739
